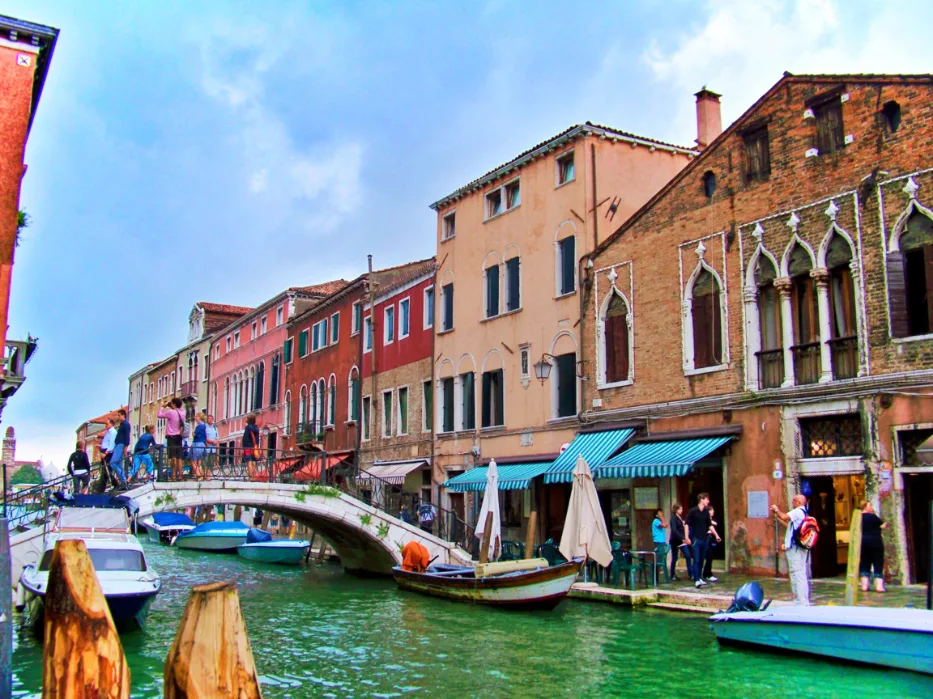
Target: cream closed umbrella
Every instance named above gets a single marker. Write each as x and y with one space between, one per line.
585 527
490 504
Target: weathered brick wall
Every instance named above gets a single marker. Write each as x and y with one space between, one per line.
417 443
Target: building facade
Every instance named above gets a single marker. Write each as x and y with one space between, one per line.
508 297
92 431
763 328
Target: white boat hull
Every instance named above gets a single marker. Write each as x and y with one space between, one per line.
208 542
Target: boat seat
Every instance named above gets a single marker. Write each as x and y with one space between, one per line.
484 570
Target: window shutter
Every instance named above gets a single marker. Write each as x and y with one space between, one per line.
834 120
701 348
928 269
566 385
487 399
513 272
715 326
498 390
764 155
616 348
567 264
449 307
448 389
492 292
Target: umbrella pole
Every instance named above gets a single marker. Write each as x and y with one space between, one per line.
484 547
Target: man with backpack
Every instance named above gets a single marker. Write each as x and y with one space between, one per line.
798 555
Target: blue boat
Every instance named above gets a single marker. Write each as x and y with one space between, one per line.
165 526
213 536
260 546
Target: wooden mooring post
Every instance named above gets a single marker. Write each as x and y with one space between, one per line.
530 536
211 655
83 657
855 553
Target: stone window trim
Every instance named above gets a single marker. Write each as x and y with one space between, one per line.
560 169
505 192
699 247
791 439
449 225
397 409
353 373
492 266
611 273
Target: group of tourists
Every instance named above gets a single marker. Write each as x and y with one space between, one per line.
693 538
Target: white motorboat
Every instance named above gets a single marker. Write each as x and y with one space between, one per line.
213 536
128 583
165 526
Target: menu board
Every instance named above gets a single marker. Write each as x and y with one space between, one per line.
646 498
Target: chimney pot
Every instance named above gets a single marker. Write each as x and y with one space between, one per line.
709 117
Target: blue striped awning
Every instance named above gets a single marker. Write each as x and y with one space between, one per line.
659 459
511 477
595 447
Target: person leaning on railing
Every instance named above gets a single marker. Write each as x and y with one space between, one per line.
142 460
198 448
79 466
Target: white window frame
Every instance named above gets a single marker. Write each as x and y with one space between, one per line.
330 407
398 411
229 342
427 421
557 163
334 325
486 271
407 303
390 414
367 334
356 320
366 417
524 367
449 225
236 339
263 325
350 418
319 335
279 315
254 330
386 325
503 193
307 344
424 310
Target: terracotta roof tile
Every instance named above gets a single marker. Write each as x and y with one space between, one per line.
325 289
224 308
112 415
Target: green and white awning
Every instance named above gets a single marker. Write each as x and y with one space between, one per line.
511 477
659 459
595 447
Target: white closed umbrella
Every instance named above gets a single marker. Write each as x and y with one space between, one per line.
490 504
585 527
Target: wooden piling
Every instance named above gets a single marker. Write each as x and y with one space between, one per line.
855 553
211 655
530 536
484 547
82 657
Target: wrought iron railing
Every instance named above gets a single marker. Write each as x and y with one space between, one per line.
28 505
844 352
806 363
770 368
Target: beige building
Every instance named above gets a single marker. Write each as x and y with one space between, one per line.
508 298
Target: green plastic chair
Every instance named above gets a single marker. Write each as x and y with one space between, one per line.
512 551
551 554
624 567
660 562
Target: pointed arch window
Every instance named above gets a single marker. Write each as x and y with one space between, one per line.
331 400
321 405
288 412
706 310
312 408
302 407
259 385
771 354
806 322
274 379
843 340
616 339
910 278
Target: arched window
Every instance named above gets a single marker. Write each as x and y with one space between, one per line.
312 408
251 390
771 356
274 379
288 412
706 311
842 329
331 400
805 316
916 245
353 394
226 398
302 407
260 381
321 404
616 339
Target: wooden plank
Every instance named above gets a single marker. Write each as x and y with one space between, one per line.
82 655
855 552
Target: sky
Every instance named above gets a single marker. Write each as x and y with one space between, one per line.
224 151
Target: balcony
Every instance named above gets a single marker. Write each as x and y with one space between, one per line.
806 363
15 356
309 433
844 352
770 368
189 388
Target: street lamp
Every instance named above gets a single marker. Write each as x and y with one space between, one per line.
543 368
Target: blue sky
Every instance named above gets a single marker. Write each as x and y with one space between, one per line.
224 151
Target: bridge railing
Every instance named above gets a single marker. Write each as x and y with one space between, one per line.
25 505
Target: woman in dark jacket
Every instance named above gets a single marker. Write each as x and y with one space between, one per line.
871 562
677 539
79 466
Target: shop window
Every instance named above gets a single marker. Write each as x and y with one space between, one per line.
511 508
831 437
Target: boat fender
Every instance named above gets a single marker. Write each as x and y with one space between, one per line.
20 598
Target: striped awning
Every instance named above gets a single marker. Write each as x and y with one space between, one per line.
511 477
393 472
659 459
595 447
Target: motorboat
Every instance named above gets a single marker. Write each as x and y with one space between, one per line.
128 583
895 638
525 584
165 526
260 546
213 536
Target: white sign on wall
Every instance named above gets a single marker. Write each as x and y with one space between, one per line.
757 504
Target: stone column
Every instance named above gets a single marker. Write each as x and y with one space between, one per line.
752 337
820 276
784 285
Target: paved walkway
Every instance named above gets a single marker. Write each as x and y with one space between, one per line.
684 596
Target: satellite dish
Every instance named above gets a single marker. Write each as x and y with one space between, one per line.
564 447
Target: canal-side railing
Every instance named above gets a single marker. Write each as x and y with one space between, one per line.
23 506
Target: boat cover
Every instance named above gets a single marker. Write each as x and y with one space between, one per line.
217 528
100 501
257 536
171 519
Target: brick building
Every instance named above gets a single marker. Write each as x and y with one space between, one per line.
397 391
790 259
92 431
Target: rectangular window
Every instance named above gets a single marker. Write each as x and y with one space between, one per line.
829 132
428 320
263 327
404 318
387 414
427 406
236 339
831 436
513 195
492 399
355 398
504 198
492 292
494 203
334 328
467 402
449 226
401 423
567 265
388 328
229 343
447 297
566 384
357 317
447 404
279 315
758 152
319 335
303 343
367 410
288 350
255 331
513 300
565 172
367 334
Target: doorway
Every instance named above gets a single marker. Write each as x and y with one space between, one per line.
833 500
706 477
918 493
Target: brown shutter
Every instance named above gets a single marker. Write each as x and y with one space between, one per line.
701 354
616 349
715 330
928 270
897 294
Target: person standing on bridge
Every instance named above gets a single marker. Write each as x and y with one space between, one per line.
142 460
174 417
198 448
213 441
120 446
106 450
251 448
80 468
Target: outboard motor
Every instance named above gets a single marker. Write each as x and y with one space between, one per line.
748 598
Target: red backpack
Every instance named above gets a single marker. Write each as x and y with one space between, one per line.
807 533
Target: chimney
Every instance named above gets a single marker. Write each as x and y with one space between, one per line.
709 117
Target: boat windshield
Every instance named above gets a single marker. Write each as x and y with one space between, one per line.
106 559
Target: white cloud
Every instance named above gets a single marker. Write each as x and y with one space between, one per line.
258 181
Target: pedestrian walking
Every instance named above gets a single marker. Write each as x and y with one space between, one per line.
121 445
405 515
871 562
142 459
198 448
251 448
426 515
798 557
106 451
678 544
213 443
697 535
713 541
79 466
174 416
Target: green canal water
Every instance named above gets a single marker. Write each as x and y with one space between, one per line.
316 632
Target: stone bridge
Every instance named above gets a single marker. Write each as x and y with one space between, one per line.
367 539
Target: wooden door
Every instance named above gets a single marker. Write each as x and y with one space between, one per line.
918 492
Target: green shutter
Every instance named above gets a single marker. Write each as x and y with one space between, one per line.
288 350
302 343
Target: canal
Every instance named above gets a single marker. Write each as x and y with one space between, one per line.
319 633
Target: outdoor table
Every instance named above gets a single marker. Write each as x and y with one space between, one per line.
654 569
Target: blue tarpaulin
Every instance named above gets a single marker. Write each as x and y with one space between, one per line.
171 519
257 536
